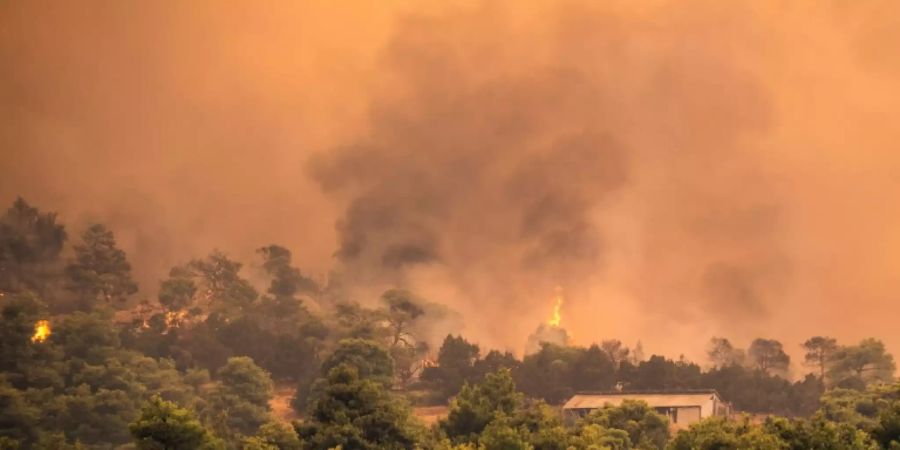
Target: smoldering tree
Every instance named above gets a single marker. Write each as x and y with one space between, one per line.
768 355
862 364
615 350
722 354
30 245
819 351
101 271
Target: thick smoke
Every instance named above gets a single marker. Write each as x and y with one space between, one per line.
494 156
682 169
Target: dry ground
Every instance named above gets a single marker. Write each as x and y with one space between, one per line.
281 407
430 414
281 403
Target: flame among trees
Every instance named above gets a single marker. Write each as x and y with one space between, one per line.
223 315
556 317
552 331
41 331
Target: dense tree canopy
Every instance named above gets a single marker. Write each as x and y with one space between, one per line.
819 353
239 404
357 413
30 245
162 425
768 356
477 405
82 366
862 364
100 271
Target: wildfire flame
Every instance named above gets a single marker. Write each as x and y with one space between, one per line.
556 317
174 319
428 362
41 331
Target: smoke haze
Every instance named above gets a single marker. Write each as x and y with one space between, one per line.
680 169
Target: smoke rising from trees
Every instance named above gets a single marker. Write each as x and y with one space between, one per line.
682 170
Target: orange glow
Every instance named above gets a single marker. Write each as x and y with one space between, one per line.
556 317
684 169
428 361
41 331
174 319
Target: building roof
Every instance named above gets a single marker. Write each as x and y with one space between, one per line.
656 399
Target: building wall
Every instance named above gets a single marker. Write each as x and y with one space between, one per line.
687 415
682 409
681 416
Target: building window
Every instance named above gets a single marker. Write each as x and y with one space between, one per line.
671 413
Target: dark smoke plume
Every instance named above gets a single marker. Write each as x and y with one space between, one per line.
683 169
492 168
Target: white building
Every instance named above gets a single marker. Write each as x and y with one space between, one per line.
681 407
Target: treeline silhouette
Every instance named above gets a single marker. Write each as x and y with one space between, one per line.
87 362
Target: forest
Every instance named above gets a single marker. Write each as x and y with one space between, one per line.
88 362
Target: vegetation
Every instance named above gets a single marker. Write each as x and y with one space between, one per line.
86 363
163 425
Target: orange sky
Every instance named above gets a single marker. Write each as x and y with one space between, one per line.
682 169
